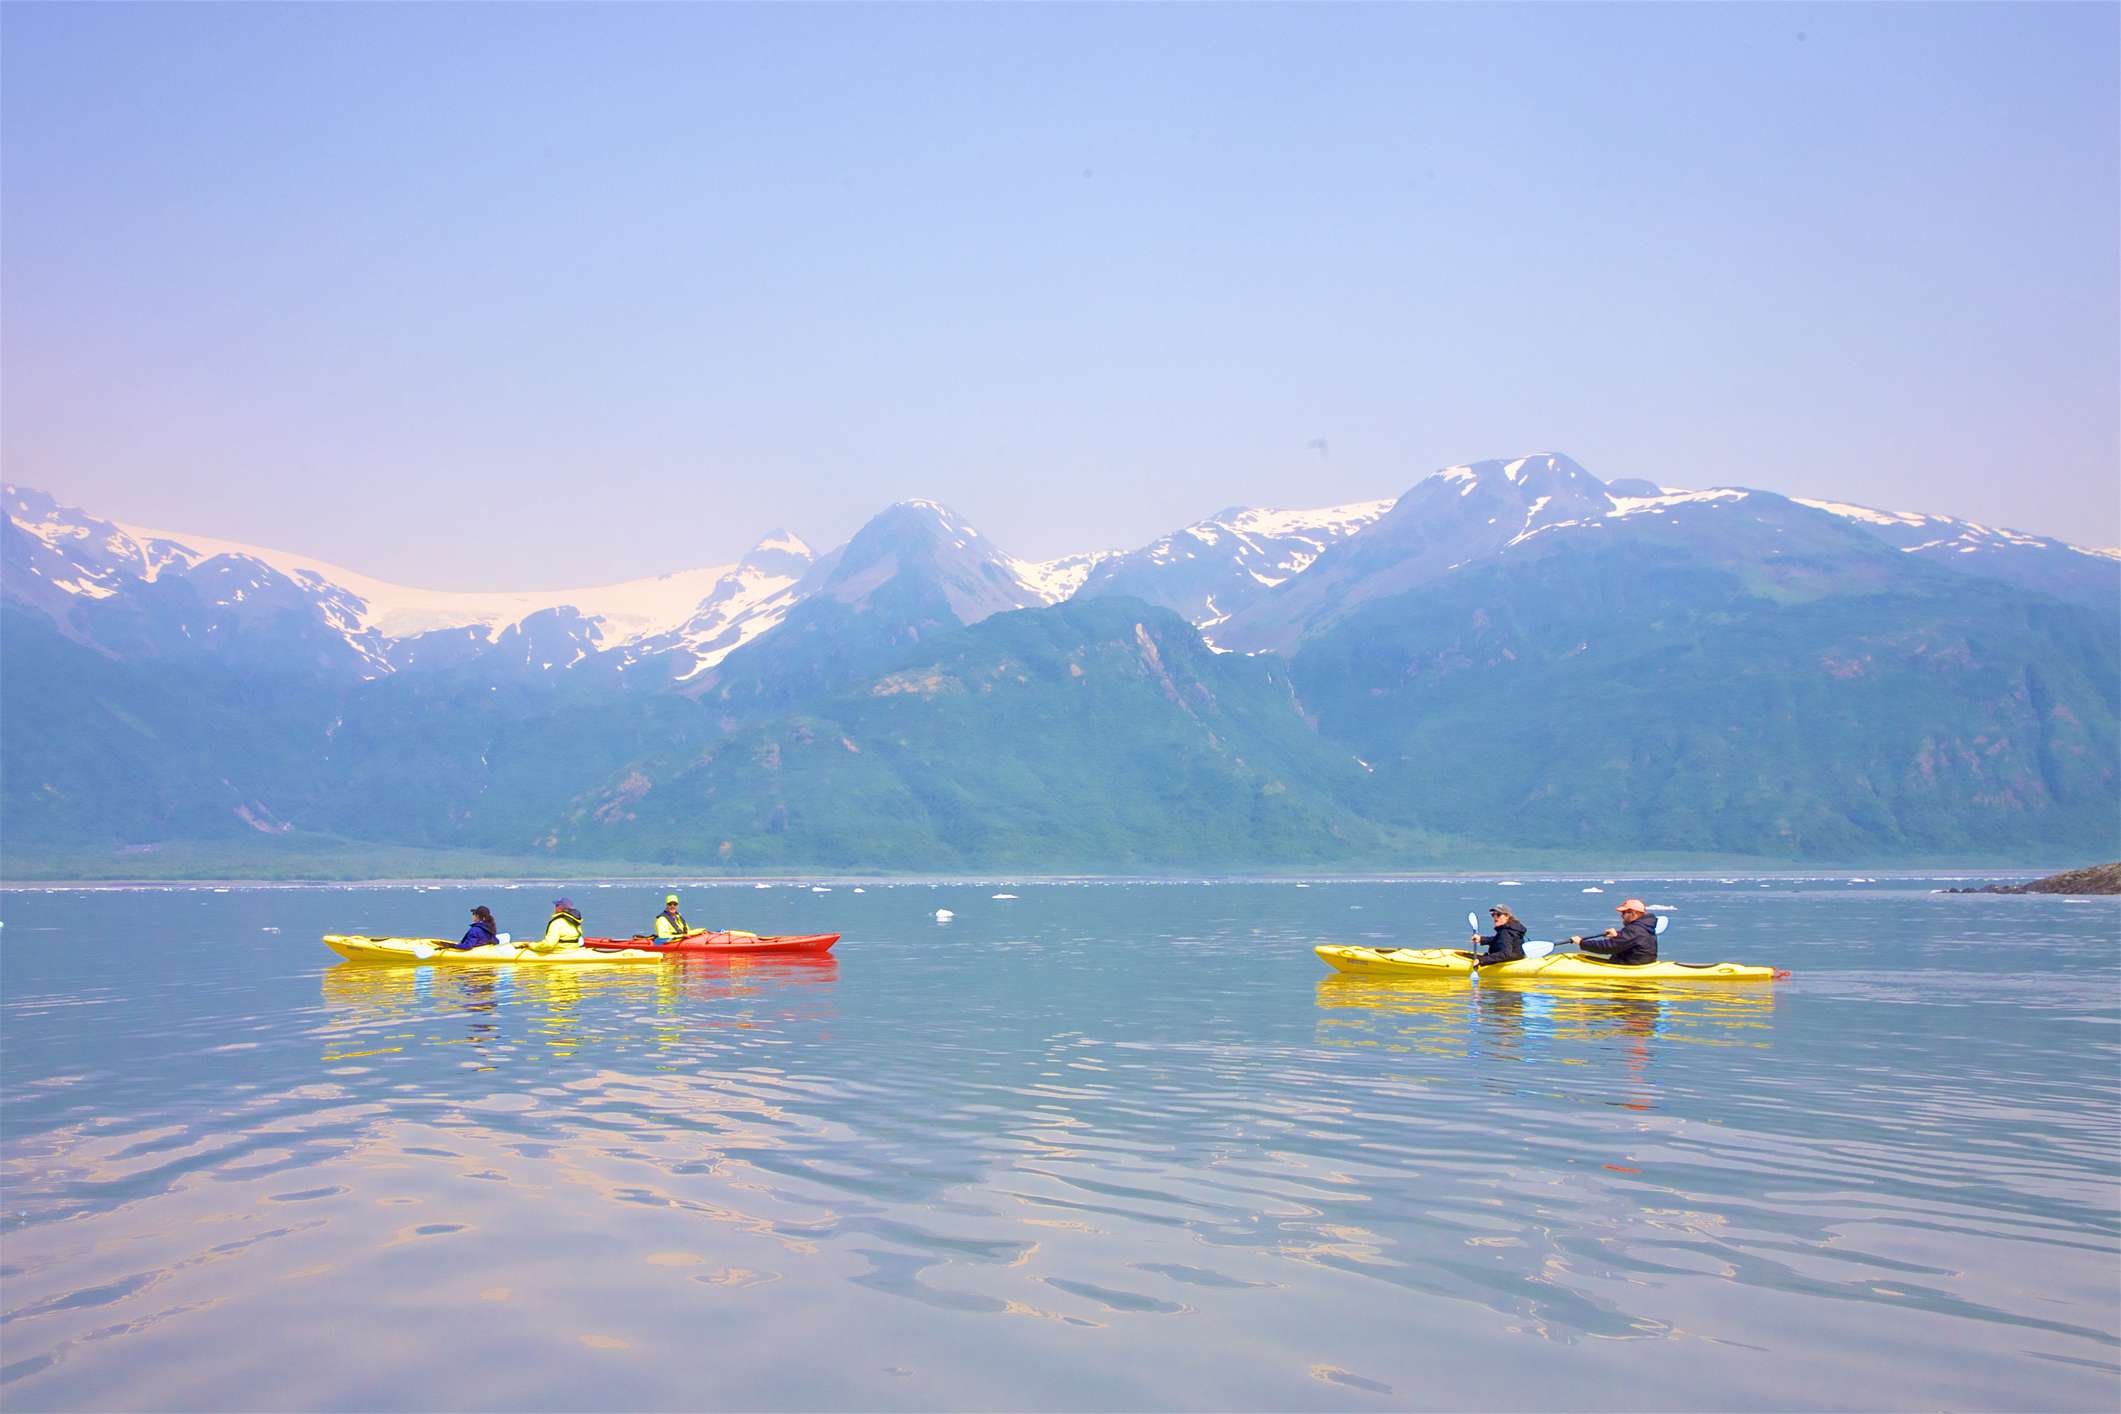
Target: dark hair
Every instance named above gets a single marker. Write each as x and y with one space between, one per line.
482 911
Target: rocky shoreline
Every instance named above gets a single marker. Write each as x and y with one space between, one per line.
2099 879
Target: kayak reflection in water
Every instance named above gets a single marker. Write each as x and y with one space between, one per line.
481 934
1633 943
564 930
1506 944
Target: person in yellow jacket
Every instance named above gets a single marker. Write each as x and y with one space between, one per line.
670 924
563 931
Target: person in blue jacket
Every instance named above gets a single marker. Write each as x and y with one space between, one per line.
1633 943
481 934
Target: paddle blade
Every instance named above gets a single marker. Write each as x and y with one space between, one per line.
1664 921
422 951
1532 950
502 940
1473 921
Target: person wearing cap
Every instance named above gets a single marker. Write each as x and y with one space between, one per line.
481 933
1633 943
564 930
670 924
1506 944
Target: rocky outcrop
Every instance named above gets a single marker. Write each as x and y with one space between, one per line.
2099 879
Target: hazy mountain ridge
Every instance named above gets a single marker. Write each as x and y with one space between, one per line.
1216 567
1514 654
1726 672
99 579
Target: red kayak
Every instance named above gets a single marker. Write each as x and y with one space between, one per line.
720 944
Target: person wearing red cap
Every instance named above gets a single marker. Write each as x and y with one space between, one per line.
1633 943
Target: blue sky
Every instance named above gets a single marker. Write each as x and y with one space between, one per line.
605 291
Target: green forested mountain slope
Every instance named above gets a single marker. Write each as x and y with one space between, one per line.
1731 680
1518 660
1100 734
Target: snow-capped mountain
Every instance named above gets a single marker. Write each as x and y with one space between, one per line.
1469 515
1448 518
125 588
926 544
1773 677
1249 578
744 603
2085 576
1217 567
1056 580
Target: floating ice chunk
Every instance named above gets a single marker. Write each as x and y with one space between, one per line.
1303 886
1508 884
268 928
944 915
1005 895
1663 908
762 886
861 891
1594 889
819 889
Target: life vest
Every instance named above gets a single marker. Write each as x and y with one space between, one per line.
668 927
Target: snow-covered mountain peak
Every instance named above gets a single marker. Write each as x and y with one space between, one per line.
782 542
2056 567
1212 568
53 547
779 553
1056 580
623 612
924 547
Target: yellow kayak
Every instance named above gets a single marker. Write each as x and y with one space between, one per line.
442 952
1396 962
1575 967
1554 967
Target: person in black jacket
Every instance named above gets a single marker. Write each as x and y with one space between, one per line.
1633 943
1507 942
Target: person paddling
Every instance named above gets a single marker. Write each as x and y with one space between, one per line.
481 934
670 924
563 930
1633 943
1506 944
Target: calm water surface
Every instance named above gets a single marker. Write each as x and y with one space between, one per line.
1096 1146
